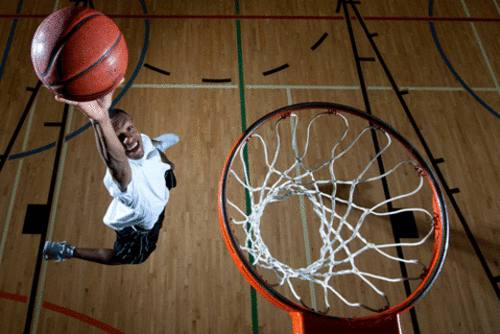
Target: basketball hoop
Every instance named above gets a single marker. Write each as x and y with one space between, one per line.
317 165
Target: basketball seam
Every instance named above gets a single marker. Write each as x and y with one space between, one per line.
91 67
90 95
63 40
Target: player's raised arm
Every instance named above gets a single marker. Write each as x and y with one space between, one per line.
110 149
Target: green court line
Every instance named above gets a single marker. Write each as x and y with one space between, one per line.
253 293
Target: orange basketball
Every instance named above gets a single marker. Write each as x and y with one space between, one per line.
79 53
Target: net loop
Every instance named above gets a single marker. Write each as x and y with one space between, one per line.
336 250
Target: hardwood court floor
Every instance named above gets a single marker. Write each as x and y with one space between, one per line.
185 76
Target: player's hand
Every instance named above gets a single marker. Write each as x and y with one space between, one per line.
96 110
106 100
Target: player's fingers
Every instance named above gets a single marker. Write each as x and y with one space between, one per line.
63 100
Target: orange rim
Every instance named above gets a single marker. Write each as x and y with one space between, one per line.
439 207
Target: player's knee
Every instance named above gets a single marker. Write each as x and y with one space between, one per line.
107 256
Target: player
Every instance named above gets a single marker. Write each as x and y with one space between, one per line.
139 177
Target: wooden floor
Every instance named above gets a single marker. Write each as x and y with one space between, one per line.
184 76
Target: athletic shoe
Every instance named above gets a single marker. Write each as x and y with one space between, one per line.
57 251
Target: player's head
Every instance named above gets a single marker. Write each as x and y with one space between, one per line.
127 133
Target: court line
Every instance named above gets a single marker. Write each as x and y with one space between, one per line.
200 86
270 17
496 5
311 87
303 215
43 234
16 182
14 297
50 232
56 5
215 80
82 317
434 161
9 40
156 69
318 43
450 67
476 35
141 58
146 16
65 311
253 292
305 87
277 69
380 163
194 86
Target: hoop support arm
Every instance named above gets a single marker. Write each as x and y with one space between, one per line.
305 322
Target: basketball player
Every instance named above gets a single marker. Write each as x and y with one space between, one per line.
139 177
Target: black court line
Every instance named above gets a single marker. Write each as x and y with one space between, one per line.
36 220
156 69
46 210
433 161
52 124
380 162
403 224
318 43
34 92
277 69
216 80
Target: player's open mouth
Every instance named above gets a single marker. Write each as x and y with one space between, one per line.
134 148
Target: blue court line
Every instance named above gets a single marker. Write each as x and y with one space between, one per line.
115 101
35 151
450 67
77 132
9 40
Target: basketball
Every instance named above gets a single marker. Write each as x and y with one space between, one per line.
79 54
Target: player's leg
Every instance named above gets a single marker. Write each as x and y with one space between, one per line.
61 251
102 255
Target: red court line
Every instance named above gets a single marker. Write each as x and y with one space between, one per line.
271 17
11 296
82 317
49 306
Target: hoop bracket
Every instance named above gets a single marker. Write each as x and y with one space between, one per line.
305 322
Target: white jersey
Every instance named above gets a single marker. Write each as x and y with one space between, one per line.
146 194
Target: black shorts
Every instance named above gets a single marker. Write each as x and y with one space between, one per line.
133 245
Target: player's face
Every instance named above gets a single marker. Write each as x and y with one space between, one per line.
130 138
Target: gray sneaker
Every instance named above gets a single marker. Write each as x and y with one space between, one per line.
57 251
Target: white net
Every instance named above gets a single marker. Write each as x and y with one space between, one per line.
339 218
